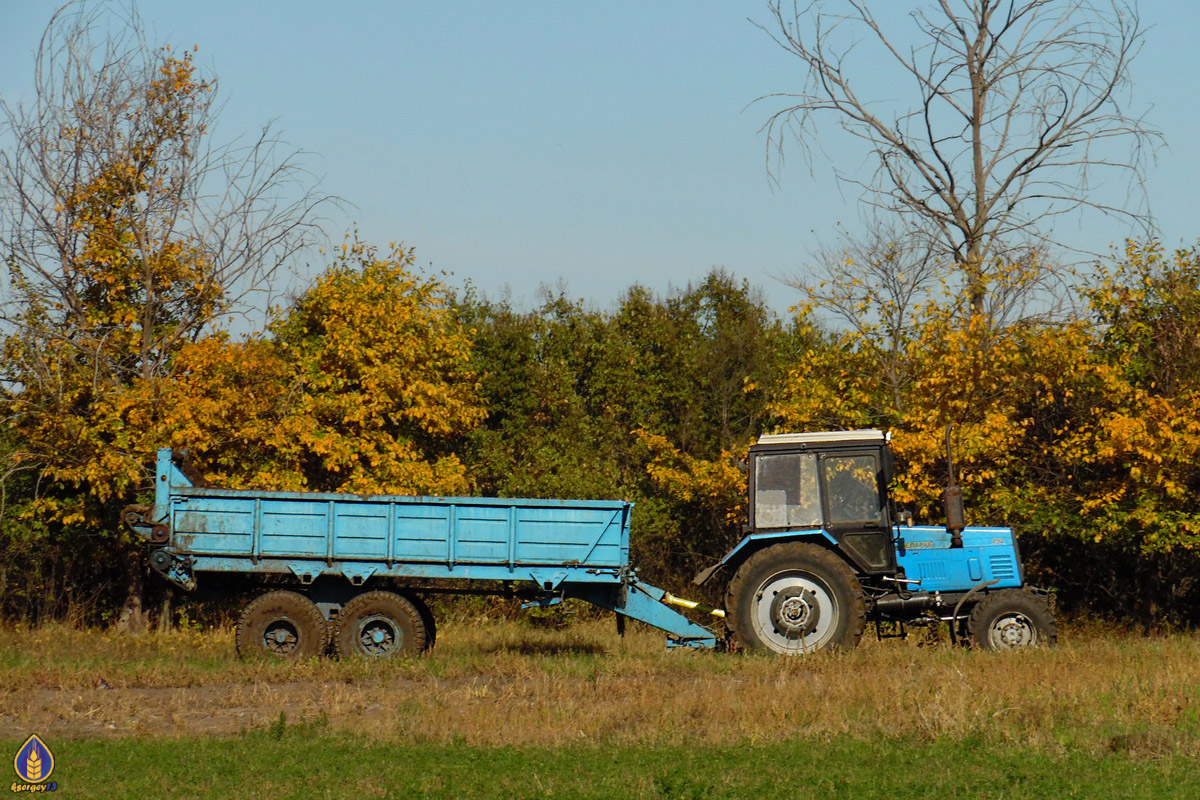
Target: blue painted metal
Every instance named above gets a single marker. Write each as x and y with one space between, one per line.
572 548
643 602
987 554
925 555
775 537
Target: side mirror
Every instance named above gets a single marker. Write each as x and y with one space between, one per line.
888 465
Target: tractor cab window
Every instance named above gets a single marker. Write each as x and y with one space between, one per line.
785 491
852 489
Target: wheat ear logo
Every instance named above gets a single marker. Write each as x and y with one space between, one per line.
34 761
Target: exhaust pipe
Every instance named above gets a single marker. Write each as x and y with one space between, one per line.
952 499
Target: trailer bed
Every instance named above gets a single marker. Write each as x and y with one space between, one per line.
552 548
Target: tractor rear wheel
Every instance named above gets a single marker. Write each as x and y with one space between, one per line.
282 624
796 598
380 625
1012 619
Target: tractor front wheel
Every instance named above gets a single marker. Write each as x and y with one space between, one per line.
796 598
1012 619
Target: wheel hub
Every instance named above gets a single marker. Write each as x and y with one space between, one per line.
795 612
1015 630
378 635
281 637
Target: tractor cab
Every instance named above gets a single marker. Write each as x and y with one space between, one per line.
833 482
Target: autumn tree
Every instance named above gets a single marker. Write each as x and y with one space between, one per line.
1136 453
126 234
1015 117
364 384
1081 434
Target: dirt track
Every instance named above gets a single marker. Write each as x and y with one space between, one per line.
193 710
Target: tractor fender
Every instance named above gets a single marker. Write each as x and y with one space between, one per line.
754 541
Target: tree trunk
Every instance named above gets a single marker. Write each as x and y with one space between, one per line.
164 613
1150 591
134 617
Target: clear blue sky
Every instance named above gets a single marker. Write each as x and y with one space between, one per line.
520 143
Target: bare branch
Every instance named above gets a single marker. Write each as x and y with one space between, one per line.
1011 95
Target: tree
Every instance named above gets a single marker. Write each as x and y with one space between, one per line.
1081 435
365 385
126 234
1017 111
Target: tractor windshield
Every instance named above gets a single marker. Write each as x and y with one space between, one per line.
785 491
852 486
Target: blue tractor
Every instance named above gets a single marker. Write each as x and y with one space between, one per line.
825 552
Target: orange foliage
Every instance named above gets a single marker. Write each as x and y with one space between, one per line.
364 388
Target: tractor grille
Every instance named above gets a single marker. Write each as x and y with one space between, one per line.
933 570
1002 567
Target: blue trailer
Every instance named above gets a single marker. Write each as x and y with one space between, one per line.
825 552
332 554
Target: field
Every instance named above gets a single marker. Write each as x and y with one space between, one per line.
507 709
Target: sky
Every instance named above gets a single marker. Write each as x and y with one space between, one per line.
595 145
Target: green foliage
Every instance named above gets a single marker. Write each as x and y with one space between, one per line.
1082 433
580 403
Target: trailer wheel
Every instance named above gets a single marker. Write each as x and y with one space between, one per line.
282 625
796 598
380 625
427 617
1011 619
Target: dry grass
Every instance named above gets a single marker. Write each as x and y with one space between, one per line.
507 683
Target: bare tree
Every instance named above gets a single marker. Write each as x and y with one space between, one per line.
127 233
1015 113
873 285
116 143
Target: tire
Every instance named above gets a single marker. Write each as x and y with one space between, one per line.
427 617
379 625
282 625
1012 619
796 598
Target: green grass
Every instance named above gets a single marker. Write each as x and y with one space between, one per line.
309 762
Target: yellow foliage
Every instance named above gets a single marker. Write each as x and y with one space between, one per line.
91 352
1057 424
719 486
363 388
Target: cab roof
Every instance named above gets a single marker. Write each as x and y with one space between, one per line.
863 434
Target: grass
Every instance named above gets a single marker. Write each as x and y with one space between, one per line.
506 709
310 763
